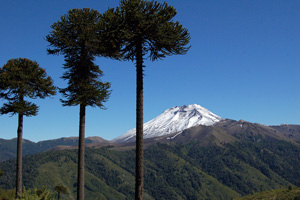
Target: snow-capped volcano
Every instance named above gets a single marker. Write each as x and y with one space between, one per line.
173 120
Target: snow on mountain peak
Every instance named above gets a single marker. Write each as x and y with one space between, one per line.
173 120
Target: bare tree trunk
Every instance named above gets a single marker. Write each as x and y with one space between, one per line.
80 178
139 175
19 157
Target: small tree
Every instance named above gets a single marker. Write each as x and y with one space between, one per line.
78 36
37 194
60 189
19 79
145 29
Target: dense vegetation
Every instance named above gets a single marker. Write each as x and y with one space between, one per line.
34 194
289 193
177 171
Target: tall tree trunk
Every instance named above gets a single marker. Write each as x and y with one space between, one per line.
139 175
80 178
19 157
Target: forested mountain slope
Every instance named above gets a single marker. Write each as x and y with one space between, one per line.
8 148
172 171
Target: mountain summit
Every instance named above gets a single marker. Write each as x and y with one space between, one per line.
173 120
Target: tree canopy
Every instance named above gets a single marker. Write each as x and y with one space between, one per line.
21 78
150 24
60 189
76 36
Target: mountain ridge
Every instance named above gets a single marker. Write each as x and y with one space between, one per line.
172 171
8 147
223 132
179 124
173 120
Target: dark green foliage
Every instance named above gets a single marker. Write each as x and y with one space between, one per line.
148 24
188 171
168 176
238 164
1 173
60 189
76 37
22 78
8 148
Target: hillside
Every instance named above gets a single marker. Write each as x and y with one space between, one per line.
8 148
225 160
289 193
172 171
180 124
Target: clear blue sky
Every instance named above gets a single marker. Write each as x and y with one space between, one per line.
243 64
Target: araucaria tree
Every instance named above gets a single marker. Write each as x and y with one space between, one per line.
20 79
76 36
60 189
1 173
146 30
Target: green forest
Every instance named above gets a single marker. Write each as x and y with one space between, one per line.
172 171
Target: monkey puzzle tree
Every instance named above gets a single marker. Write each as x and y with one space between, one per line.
60 189
19 79
145 29
77 36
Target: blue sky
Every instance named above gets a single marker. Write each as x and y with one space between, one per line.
243 64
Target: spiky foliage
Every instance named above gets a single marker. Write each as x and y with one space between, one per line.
77 35
60 189
145 28
149 23
22 78
37 194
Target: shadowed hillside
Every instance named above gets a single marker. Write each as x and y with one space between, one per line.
173 171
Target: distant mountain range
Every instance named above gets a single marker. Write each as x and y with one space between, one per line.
201 167
180 124
8 147
190 153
